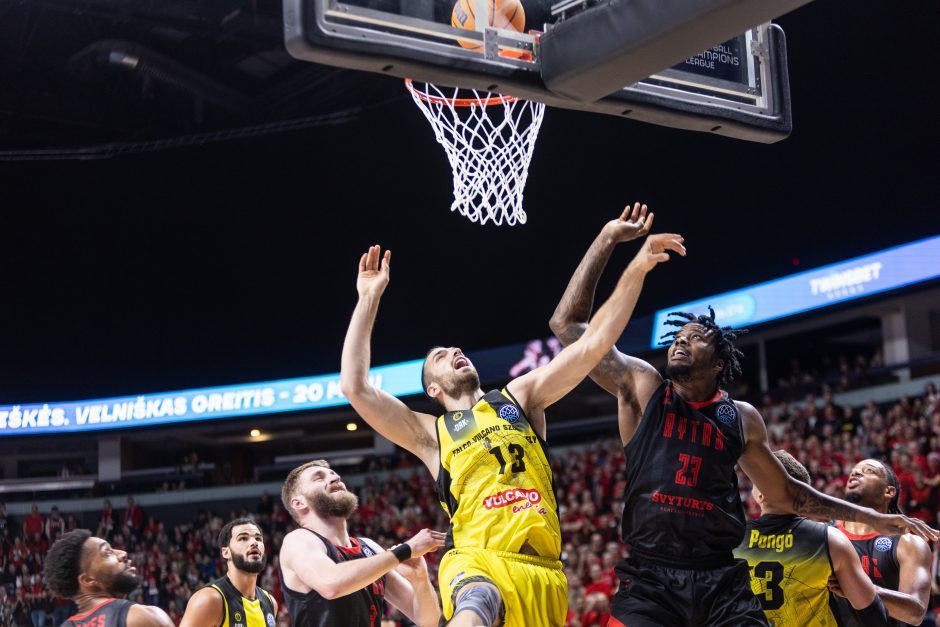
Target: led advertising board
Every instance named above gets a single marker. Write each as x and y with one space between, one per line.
863 276
228 401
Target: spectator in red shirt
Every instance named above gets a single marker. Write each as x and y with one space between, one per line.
37 545
599 582
18 553
921 501
33 523
598 610
133 516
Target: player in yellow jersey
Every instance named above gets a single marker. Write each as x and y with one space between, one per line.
235 598
488 452
792 559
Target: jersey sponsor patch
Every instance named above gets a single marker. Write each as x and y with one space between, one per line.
270 619
675 504
460 424
509 413
514 495
726 413
883 544
366 549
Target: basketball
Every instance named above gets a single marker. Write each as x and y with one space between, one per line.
504 14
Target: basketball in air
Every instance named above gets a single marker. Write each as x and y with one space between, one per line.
503 14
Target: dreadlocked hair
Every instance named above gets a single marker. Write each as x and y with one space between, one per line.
891 478
724 338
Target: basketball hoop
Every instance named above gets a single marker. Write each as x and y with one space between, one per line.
489 141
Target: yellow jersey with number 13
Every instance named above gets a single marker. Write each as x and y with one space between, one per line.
495 481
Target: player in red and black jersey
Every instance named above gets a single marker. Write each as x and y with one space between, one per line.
898 565
682 437
98 578
331 579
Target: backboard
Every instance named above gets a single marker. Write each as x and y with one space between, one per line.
716 66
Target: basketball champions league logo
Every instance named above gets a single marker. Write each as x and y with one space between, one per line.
883 544
509 413
726 413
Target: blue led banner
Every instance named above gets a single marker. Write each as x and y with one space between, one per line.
837 283
228 401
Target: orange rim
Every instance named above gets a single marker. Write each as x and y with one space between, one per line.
458 102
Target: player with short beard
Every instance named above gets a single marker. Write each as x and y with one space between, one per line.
235 599
97 577
898 565
333 580
487 451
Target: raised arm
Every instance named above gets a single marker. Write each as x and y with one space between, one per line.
307 566
408 587
853 583
543 386
384 413
796 497
574 309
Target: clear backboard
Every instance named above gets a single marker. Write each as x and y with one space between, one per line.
716 66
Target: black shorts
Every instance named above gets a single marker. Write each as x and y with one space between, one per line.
656 596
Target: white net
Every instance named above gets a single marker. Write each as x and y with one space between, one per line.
489 141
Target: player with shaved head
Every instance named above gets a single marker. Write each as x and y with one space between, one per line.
487 451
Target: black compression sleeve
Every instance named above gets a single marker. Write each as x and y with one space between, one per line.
874 615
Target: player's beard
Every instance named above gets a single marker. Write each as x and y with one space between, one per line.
857 498
122 584
461 384
338 505
241 563
679 372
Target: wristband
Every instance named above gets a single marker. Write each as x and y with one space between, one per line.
402 552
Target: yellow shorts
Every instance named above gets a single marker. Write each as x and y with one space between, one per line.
534 589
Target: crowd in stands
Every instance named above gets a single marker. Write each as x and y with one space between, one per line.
840 373
175 561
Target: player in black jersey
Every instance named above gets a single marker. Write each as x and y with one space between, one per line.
791 560
333 580
682 437
899 565
97 577
235 599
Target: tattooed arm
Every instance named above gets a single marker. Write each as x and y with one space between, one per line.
796 497
617 373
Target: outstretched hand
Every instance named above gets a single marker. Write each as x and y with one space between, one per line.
373 275
899 524
425 541
630 225
654 250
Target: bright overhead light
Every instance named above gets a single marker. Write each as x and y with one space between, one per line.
351 426
255 433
